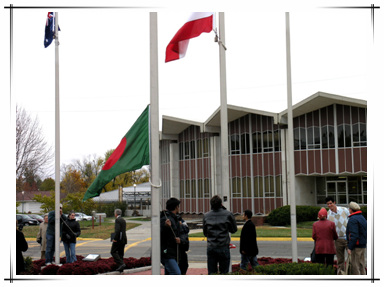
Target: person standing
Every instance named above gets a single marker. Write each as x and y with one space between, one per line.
248 242
357 238
170 237
119 240
217 224
339 215
21 246
71 230
324 234
184 246
50 236
41 236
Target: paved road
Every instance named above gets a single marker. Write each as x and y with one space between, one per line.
139 245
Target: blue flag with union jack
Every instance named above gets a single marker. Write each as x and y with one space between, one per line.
49 29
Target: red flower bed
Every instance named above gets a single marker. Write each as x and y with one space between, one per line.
81 267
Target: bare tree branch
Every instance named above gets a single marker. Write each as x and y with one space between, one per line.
32 151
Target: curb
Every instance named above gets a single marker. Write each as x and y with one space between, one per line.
128 271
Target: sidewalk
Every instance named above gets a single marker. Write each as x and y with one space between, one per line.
193 269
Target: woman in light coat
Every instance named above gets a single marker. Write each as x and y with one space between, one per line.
41 236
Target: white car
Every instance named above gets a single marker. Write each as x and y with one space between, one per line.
81 216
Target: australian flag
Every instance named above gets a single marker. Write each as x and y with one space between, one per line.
49 29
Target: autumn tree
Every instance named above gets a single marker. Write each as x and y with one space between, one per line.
48 184
72 181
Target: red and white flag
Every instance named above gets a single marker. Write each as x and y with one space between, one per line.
197 23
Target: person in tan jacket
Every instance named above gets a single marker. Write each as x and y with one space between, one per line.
41 236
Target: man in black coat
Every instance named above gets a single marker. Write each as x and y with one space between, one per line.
21 246
248 242
119 239
170 237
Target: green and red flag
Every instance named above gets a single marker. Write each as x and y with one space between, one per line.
131 154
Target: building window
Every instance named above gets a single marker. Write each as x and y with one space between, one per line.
267 141
276 138
182 190
256 141
360 134
343 189
245 144
258 186
246 183
269 186
278 186
203 148
207 188
235 144
236 187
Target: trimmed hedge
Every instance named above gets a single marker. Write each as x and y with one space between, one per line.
282 216
289 269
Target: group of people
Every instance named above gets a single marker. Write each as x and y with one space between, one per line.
69 231
338 231
341 231
217 226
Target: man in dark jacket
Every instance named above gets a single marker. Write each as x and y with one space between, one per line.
119 239
217 224
248 243
50 235
184 246
21 246
357 238
170 237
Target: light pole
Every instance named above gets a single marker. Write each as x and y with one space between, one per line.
134 198
22 207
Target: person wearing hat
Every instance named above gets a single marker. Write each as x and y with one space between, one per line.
357 238
324 234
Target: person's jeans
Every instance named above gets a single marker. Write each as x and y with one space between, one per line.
245 259
170 267
221 256
50 250
70 251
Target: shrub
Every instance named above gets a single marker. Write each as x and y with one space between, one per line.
364 210
300 268
282 216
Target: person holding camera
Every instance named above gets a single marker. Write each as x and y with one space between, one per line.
71 230
41 236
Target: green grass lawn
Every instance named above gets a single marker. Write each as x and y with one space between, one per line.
304 229
269 232
102 231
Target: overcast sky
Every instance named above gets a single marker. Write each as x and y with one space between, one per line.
104 67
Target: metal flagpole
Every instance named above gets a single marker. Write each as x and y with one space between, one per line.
224 119
57 144
154 136
290 153
223 116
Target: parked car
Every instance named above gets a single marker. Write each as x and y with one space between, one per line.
81 216
26 220
39 218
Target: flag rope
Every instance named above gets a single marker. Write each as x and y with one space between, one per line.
157 186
